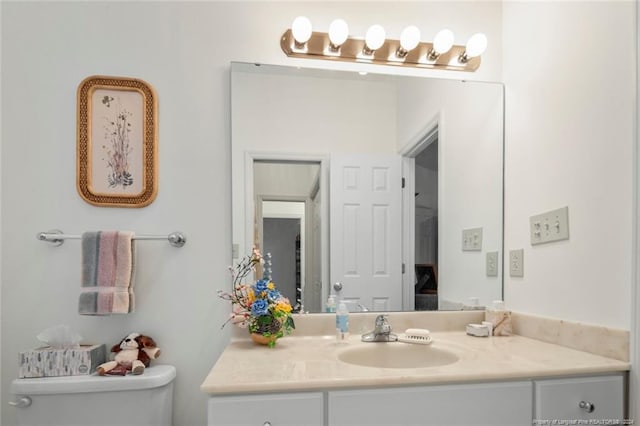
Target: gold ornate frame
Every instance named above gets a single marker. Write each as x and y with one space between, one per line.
117 158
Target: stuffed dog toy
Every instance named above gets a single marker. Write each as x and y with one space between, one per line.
133 353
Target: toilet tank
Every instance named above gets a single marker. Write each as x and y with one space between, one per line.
141 400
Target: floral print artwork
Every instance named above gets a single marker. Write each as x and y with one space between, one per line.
116 145
117 142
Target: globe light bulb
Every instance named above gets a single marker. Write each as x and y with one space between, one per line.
409 38
301 29
476 45
443 41
374 38
338 32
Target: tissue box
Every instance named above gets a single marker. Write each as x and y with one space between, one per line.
50 362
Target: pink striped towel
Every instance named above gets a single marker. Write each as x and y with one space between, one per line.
107 273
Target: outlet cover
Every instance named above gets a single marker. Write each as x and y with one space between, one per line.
516 263
472 239
492 264
550 226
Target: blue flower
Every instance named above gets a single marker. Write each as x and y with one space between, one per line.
273 295
259 307
260 286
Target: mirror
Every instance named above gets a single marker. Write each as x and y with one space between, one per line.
386 172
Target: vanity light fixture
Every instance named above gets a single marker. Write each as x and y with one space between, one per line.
442 43
409 39
338 34
373 39
301 30
302 42
475 47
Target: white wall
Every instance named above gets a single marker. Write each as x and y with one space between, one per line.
569 72
287 180
184 51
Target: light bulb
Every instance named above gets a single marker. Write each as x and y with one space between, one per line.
301 29
374 39
443 41
409 38
338 32
476 45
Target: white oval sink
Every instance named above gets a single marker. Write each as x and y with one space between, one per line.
397 355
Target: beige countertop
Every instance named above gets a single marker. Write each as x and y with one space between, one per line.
310 362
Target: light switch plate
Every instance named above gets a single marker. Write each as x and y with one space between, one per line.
235 251
550 226
516 263
492 264
472 239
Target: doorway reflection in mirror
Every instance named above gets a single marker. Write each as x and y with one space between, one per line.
287 200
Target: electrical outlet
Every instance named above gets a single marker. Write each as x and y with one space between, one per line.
472 239
550 226
492 264
235 251
516 263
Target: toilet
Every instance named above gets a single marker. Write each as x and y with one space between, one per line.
132 400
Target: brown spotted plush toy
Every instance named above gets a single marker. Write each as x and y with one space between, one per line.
133 353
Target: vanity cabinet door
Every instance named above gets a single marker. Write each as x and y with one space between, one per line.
508 404
602 398
300 409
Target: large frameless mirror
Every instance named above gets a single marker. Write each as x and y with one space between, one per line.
386 191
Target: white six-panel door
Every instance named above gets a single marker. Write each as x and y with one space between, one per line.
366 229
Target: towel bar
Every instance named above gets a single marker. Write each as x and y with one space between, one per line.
176 239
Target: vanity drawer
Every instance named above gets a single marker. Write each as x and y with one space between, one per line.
560 399
286 409
505 404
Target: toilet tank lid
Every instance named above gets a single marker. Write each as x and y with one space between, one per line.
153 377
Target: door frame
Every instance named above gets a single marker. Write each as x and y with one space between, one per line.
432 131
250 207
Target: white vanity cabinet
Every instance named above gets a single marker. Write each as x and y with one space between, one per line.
285 409
496 404
511 403
586 398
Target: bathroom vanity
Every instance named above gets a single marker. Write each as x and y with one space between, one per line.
458 379
492 403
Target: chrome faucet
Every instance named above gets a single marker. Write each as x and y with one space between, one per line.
381 332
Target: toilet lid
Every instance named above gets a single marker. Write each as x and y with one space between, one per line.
153 377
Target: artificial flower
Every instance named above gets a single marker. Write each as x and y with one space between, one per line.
259 307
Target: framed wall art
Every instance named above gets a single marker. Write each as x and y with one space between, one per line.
117 158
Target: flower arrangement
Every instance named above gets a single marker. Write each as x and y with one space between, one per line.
260 307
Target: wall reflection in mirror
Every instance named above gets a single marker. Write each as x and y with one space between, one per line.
362 185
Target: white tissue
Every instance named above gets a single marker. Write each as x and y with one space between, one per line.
60 337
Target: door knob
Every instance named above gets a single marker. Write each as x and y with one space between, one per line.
337 286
